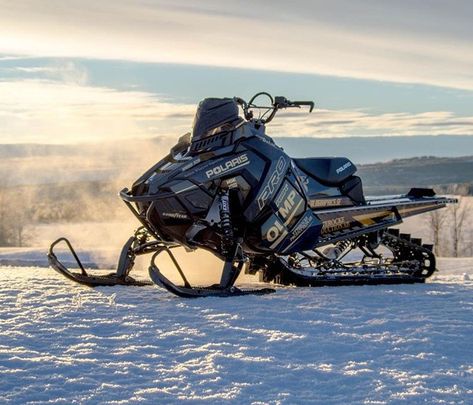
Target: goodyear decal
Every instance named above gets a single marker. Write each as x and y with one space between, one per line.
174 215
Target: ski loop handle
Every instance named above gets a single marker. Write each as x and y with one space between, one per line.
71 249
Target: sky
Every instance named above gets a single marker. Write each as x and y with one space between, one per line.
80 71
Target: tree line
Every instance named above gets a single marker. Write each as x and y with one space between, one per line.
21 207
452 229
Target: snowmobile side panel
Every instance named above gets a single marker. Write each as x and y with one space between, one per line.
277 164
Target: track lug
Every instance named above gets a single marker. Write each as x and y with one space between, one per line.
411 262
393 231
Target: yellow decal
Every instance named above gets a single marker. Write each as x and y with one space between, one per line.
368 219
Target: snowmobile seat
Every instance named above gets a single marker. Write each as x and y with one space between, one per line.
329 170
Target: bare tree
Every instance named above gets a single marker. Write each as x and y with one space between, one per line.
20 218
16 214
3 224
460 214
468 251
435 222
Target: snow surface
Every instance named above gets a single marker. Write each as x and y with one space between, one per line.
64 343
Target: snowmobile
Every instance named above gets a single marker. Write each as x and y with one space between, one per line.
229 189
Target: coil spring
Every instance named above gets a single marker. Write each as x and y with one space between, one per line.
343 244
225 223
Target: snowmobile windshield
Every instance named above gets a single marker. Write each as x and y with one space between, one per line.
214 115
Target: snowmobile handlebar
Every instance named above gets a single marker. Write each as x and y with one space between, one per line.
283 102
277 103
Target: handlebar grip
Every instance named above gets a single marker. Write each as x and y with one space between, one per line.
239 100
308 103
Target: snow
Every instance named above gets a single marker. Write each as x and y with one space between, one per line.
64 343
36 256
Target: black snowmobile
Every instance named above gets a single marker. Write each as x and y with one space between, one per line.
228 188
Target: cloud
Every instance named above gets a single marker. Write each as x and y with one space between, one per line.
65 71
331 123
54 111
64 111
404 41
9 58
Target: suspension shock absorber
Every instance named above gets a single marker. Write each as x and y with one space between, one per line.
344 244
334 252
227 241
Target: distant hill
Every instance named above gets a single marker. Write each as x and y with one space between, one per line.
360 150
121 162
379 148
31 149
452 175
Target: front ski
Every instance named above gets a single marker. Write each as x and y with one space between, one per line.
84 278
188 291
196 292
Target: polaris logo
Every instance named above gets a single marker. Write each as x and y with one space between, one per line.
228 166
342 168
273 182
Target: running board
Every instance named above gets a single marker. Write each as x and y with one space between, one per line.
377 214
399 202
